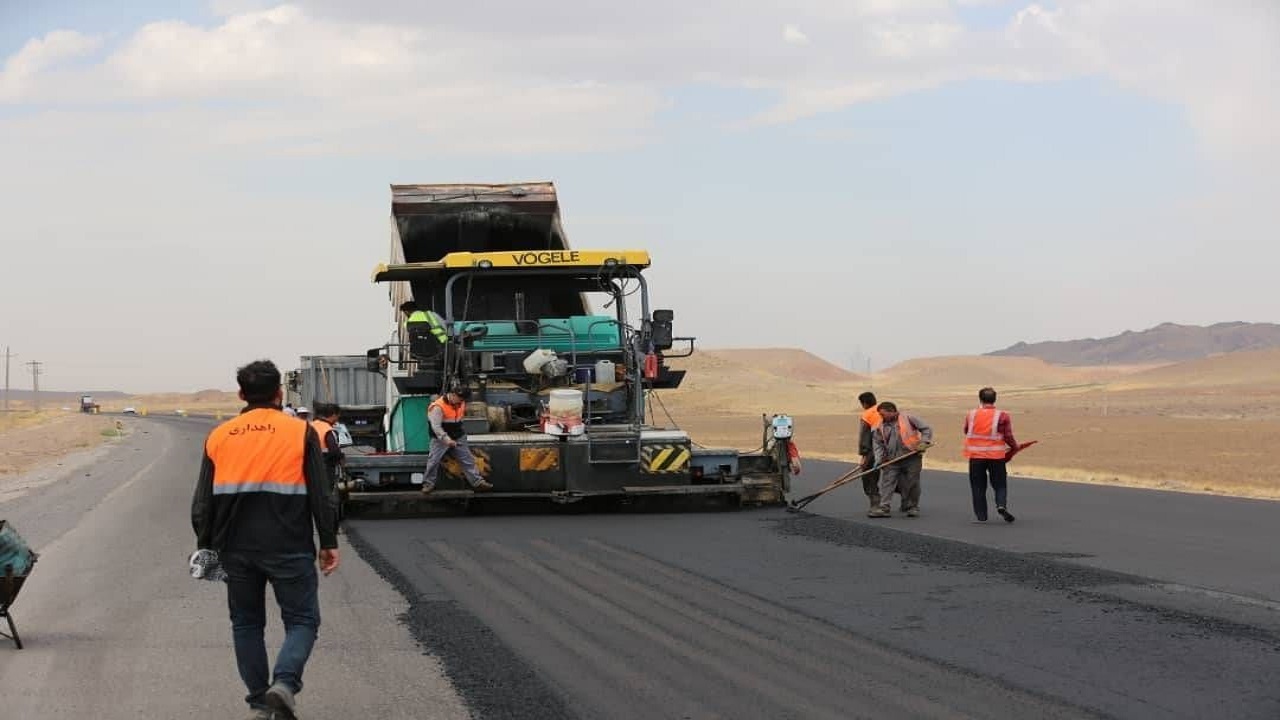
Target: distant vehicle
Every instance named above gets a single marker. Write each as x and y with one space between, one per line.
180 411
87 405
129 411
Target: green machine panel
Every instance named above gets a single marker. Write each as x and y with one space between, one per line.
410 430
583 333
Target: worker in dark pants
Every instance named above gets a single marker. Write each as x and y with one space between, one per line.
901 438
263 492
869 421
988 441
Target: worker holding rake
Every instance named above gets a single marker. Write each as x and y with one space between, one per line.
898 436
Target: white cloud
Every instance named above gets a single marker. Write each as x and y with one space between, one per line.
40 55
794 35
1220 61
323 73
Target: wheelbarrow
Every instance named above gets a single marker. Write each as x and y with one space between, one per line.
16 563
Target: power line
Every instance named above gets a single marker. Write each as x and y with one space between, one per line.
7 356
35 380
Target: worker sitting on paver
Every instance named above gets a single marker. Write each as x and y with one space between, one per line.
449 436
899 435
427 334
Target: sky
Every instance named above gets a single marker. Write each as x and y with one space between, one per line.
186 186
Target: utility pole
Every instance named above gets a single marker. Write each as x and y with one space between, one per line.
7 356
35 380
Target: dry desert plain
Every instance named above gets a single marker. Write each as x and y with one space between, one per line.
1210 425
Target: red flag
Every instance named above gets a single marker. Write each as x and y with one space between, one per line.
1021 446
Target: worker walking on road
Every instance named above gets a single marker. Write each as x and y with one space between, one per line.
867 423
326 417
448 436
263 488
899 434
988 441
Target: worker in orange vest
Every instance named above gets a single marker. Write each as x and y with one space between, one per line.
988 441
899 436
326 417
263 491
867 422
448 435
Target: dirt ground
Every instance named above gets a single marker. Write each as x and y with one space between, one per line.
30 439
1188 436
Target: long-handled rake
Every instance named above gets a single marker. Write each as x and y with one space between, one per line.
844 480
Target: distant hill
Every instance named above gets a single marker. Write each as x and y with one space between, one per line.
1254 368
787 363
969 372
1161 344
762 380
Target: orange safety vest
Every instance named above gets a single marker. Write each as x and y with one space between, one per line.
322 429
259 451
871 416
906 432
452 420
982 439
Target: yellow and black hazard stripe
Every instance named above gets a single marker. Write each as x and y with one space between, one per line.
453 468
664 458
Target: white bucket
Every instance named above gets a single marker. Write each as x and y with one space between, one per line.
565 404
604 371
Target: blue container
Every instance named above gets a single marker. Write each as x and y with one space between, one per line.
15 556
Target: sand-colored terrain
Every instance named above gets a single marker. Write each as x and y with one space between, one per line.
1204 426
30 439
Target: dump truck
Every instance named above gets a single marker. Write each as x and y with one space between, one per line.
559 390
346 381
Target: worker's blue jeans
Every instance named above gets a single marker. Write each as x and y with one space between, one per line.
294 579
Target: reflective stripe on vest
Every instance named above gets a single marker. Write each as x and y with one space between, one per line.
322 429
871 416
258 451
433 320
983 441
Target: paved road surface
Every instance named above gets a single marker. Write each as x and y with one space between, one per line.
1190 541
768 614
753 614
114 628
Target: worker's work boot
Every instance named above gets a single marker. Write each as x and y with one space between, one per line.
879 511
1004 514
280 699
427 488
261 714
482 486
875 502
913 512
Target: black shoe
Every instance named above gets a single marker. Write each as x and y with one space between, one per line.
280 700
1005 514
